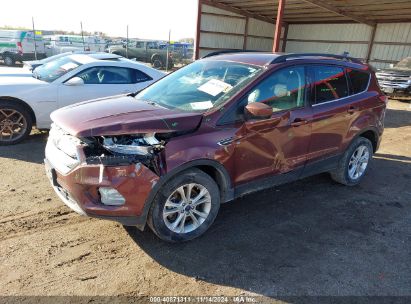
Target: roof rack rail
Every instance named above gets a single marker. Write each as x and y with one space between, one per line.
227 52
283 58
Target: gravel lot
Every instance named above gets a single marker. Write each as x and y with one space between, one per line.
311 237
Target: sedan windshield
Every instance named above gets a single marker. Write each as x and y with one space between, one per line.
200 86
55 69
405 63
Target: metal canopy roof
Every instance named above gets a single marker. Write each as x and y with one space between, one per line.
322 11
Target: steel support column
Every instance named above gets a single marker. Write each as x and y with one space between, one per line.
278 25
197 42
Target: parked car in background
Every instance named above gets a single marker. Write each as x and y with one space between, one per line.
33 64
145 51
396 80
28 100
18 45
56 44
217 129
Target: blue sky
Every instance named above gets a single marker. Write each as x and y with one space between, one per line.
146 18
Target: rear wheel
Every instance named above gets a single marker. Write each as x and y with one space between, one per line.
156 62
185 207
15 123
354 163
8 60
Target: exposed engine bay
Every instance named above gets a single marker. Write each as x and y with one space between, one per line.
125 150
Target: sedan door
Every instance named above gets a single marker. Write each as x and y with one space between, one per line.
101 81
279 144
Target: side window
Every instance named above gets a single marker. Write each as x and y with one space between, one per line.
140 44
107 75
330 83
140 76
359 80
283 90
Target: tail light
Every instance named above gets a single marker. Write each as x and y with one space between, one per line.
19 47
383 98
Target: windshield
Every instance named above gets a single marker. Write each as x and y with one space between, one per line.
200 86
55 69
405 63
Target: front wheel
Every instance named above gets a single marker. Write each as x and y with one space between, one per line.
185 207
15 123
354 163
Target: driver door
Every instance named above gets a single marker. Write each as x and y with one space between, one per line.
98 82
279 144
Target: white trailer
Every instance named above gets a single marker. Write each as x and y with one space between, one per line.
19 45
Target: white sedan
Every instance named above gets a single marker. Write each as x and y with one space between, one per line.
28 100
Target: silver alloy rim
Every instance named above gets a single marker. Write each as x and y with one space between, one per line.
13 125
187 208
358 162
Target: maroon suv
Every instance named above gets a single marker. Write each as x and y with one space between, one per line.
219 128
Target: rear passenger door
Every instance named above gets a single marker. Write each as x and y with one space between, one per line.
334 107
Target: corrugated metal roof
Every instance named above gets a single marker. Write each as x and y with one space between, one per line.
323 11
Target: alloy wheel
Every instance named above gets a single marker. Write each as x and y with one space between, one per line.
13 125
358 162
187 208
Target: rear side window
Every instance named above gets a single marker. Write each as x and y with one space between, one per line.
140 76
112 75
330 83
359 80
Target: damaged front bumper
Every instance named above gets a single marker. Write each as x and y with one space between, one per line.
79 190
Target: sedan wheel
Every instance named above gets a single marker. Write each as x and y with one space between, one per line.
15 122
13 125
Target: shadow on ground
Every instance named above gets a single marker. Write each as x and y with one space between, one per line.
397 118
30 150
311 237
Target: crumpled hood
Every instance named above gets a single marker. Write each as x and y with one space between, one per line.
120 115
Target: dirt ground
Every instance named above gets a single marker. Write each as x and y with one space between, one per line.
311 237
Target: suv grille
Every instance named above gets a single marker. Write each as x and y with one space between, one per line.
392 78
61 150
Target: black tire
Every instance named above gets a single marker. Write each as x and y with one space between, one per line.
155 218
157 63
341 174
9 60
22 110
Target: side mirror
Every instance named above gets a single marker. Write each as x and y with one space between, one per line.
75 81
258 110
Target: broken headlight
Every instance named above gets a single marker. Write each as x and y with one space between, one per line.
131 144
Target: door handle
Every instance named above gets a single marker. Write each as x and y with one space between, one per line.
299 122
352 110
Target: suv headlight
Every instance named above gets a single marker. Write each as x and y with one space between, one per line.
130 144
